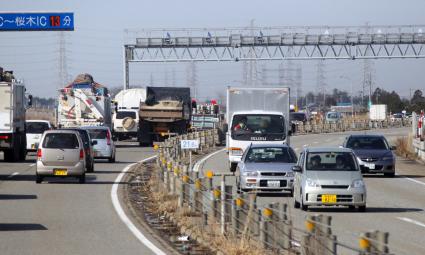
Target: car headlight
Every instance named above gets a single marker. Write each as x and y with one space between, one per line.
358 184
290 174
312 183
235 151
384 158
251 174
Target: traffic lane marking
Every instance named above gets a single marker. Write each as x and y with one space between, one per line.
201 161
412 180
124 218
418 223
33 164
13 174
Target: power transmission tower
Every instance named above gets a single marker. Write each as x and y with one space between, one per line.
64 77
368 79
321 80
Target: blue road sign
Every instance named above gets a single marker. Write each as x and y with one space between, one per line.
36 21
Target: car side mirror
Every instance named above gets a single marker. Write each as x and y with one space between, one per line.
296 169
393 148
93 142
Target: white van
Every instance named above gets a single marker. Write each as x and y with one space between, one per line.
34 131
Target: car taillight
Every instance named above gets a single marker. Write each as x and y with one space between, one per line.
108 138
39 154
81 154
4 137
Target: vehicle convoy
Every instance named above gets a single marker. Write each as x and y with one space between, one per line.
267 168
34 130
373 152
166 111
255 116
125 119
328 177
13 105
61 154
84 103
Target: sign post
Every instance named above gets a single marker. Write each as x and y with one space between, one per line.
189 145
36 21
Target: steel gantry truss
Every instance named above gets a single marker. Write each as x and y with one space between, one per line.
276 43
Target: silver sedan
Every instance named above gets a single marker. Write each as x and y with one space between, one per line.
267 168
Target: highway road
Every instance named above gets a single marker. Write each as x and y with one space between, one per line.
63 217
395 205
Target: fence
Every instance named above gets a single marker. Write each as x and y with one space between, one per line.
215 212
347 125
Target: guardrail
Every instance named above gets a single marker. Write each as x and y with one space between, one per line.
215 212
347 125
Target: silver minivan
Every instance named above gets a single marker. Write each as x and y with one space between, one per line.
105 146
328 177
61 154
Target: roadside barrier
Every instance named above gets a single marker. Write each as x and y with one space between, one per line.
218 212
316 127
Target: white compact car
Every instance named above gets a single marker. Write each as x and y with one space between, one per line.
104 148
34 131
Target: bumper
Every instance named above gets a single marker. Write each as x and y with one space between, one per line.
377 166
107 153
350 196
76 170
267 183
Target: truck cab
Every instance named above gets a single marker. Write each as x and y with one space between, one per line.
255 116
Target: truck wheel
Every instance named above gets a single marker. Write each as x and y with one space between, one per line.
38 179
82 178
233 167
11 155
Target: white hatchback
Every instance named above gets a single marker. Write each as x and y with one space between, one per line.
34 130
105 147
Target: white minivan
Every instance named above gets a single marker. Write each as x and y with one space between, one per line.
34 130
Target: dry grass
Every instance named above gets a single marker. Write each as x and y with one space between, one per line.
192 222
40 114
405 147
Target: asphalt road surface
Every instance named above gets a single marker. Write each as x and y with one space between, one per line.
395 205
61 216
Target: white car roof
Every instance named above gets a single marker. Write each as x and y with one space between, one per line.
258 112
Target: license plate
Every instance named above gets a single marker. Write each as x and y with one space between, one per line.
60 172
273 184
370 166
328 199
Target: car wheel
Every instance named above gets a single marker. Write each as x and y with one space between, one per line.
112 159
82 179
390 175
291 193
233 167
362 208
302 205
38 179
351 207
296 203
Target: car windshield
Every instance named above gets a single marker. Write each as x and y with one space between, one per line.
124 114
333 115
367 143
331 161
60 141
36 127
258 127
270 154
97 133
297 116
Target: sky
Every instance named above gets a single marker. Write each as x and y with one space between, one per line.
95 46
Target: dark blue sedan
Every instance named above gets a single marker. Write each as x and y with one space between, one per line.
373 153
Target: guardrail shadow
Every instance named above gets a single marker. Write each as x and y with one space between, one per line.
372 209
21 227
16 196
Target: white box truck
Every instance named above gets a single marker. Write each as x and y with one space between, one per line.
378 112
255 115
125 119
13 104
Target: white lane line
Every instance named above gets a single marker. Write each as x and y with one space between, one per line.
305 145
412 221
297 149
33 164
315 142
200 162
13 174
412 180
115 201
